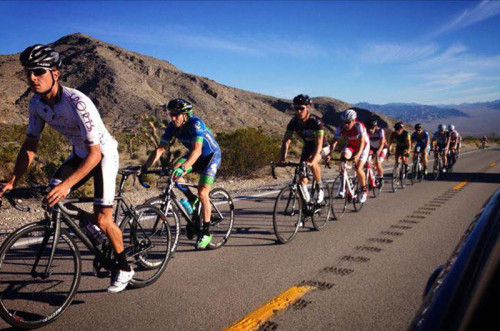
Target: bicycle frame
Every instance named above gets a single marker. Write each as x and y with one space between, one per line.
345 182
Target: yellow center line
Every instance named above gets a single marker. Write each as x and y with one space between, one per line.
460 185
264 313
493 164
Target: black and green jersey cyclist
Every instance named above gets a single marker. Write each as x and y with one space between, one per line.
204 156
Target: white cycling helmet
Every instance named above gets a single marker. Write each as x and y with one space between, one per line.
451 127
348 115
441 127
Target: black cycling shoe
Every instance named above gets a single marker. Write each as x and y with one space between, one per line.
190 232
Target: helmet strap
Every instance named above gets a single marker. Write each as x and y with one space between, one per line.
51 87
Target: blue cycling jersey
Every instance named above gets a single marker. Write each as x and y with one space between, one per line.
194 130
421 140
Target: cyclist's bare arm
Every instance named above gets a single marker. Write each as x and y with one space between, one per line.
154 157
194 155
59 192
382 144
284 147
24 159
317 153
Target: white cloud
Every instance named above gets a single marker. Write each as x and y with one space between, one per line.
448 55
392 52
482 11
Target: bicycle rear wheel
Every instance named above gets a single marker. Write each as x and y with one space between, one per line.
287 214
323 211
221 218
148 244
339 202
29 298
172 216
376 186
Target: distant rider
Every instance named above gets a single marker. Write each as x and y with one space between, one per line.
421 143
441 143
378 147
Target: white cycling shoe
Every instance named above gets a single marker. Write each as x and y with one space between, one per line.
121 280
362 197
321 196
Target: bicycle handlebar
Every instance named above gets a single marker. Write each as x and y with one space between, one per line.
25 193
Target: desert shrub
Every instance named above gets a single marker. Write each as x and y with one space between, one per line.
246 150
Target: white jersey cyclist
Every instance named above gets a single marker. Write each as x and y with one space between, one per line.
75 116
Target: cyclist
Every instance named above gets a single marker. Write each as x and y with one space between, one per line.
95 152
378 147
454 138
420 140
402 139
310 128
204 157
484 140
440 143
358 146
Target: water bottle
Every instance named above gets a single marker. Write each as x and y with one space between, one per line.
91 230
187 206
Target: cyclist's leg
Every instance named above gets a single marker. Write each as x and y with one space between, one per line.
360 166
207 178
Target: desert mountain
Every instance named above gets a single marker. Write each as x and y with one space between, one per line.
125 85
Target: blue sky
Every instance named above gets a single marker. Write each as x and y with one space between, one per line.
378 52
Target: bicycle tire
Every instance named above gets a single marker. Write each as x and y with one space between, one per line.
287 214
376 188
355 202
339 204
322 214
146 231
54 293
395 178
436 169
175 229
221 218
402 176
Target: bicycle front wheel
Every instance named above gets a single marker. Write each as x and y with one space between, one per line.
287 214
148 243
172 216
395 178
339 200
436 169
357 188
323 211
32 296
221 217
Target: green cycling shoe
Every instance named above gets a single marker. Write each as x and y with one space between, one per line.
203 241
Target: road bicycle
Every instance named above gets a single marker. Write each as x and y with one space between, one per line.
221 218
452 159
374 183
40 263
417 169
294 204
345 190
400 174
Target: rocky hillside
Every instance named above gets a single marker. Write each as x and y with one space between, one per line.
124 85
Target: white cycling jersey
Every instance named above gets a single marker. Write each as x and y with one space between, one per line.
74 116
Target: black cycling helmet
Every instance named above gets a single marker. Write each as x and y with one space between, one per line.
372 123
180 106
40 56
418 126
398 126
302 100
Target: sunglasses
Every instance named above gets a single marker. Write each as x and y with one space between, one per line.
302 108
347 122
36 71
174 114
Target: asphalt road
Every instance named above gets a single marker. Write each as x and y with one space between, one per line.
368 269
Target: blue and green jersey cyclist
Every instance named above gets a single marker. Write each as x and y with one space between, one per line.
204 157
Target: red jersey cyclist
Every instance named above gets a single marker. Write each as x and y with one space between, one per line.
310 129
358 146
378 147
